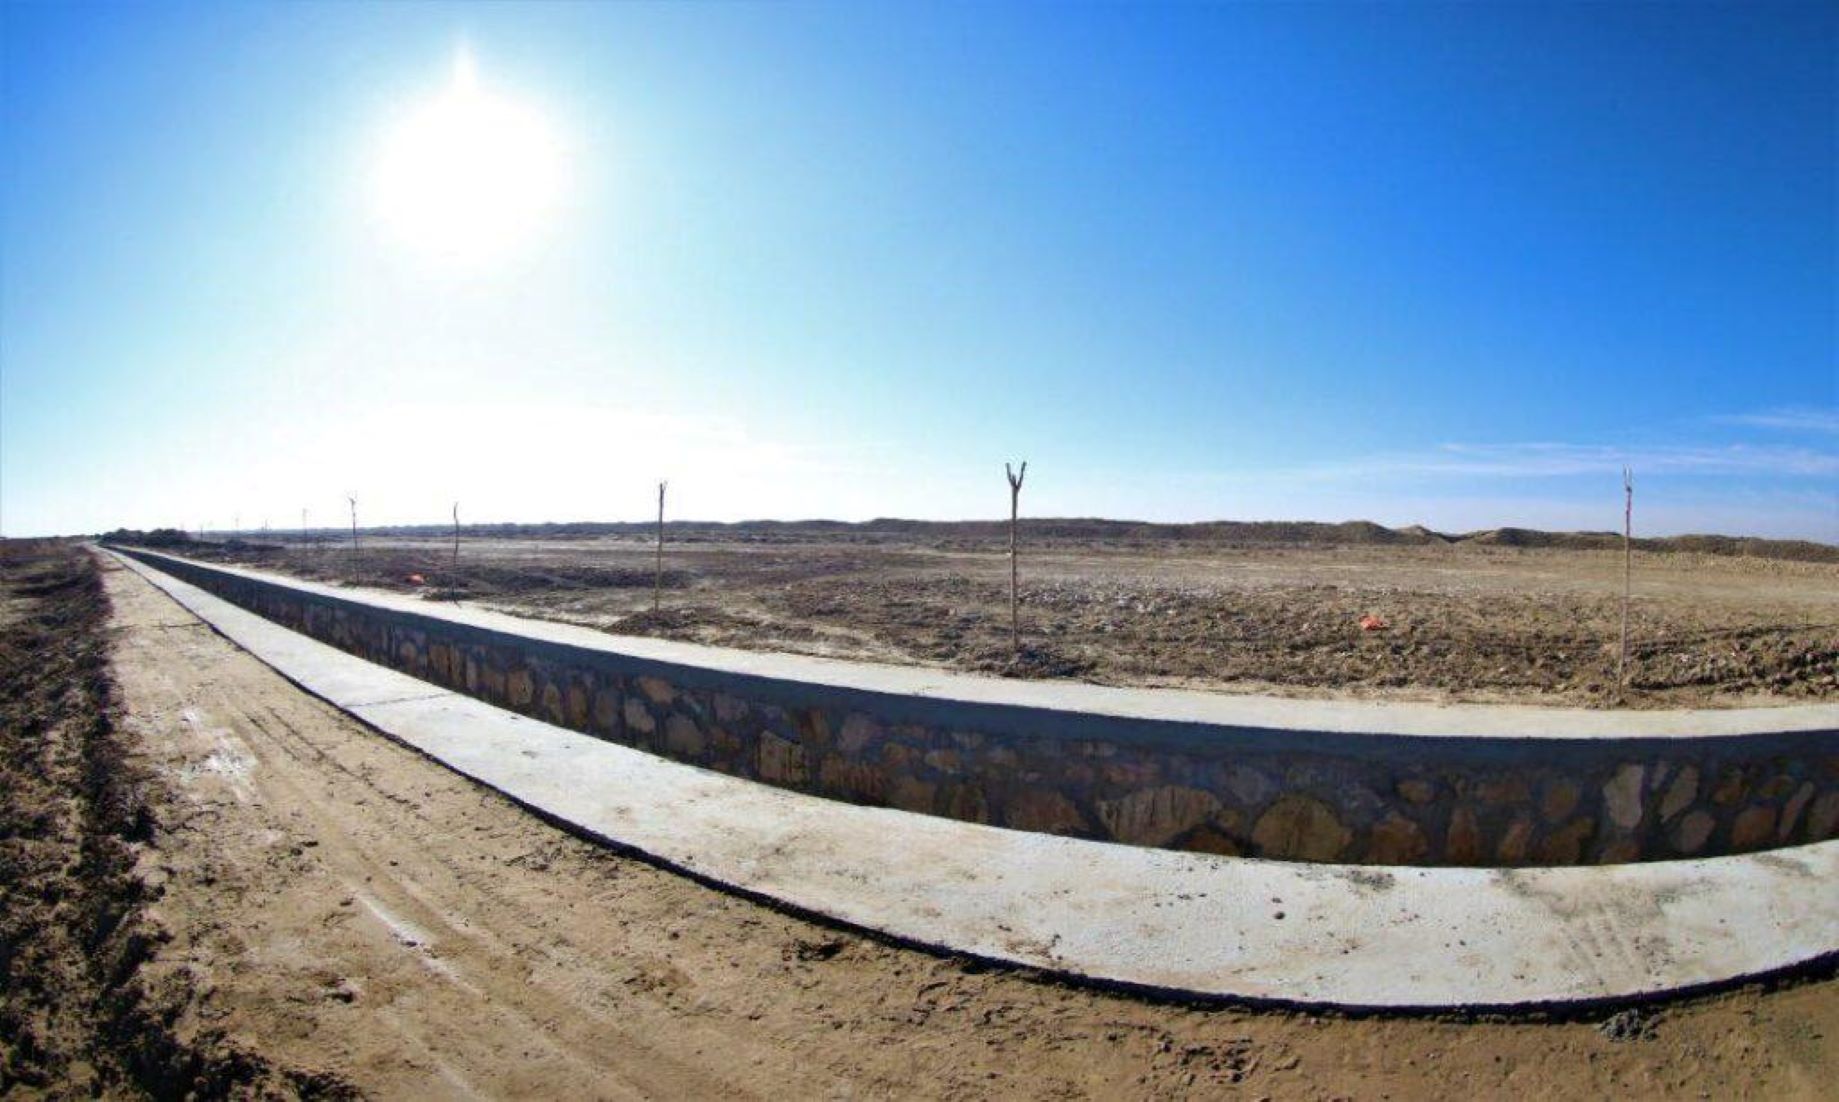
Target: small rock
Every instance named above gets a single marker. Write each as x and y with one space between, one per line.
1633 1024
1417 791
1300 828
1693 831
1396 840
1680 793
1754 825
1622 796
1463 844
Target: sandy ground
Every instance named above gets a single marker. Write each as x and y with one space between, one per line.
1461 621
348 909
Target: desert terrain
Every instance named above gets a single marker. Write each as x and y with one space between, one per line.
1507 616
213 882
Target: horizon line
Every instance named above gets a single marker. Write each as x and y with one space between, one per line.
438 526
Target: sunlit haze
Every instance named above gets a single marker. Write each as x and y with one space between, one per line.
469 174
1451 265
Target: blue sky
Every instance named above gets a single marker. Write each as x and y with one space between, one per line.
1449 264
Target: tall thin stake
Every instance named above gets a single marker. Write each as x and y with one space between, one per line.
657 578
1628 572
354 531
1015 508
456 533
303 528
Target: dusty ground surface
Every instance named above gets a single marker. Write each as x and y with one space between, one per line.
333 905
1471 620
83 1011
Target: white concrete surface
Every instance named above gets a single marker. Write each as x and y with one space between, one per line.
1349 716
1296 933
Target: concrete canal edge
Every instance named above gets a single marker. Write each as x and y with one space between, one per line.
1334 782
1333 934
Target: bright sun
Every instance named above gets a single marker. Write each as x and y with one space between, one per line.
469 175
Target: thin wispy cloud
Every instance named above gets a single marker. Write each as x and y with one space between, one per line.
1557 460
1563 460
1784 492
1788 420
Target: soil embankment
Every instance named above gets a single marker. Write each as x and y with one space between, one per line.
82 1011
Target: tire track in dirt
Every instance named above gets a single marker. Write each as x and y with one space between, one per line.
418 911
291 770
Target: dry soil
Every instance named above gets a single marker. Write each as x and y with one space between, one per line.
345 917
1461 621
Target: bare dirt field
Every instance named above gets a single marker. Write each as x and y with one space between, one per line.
214 883
1473 619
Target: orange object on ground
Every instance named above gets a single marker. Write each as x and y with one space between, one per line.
417 579
1370 622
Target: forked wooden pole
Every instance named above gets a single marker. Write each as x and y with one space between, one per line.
1628 573
657 577
1015 506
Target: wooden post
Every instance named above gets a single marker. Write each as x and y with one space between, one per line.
657 578
303 529
1628 573
354 532
456 533
1015 506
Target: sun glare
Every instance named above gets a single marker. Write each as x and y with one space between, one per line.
469 175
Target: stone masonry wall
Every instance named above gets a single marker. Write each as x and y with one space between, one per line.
1282 794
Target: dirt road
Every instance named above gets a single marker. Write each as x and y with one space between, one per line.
346 907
